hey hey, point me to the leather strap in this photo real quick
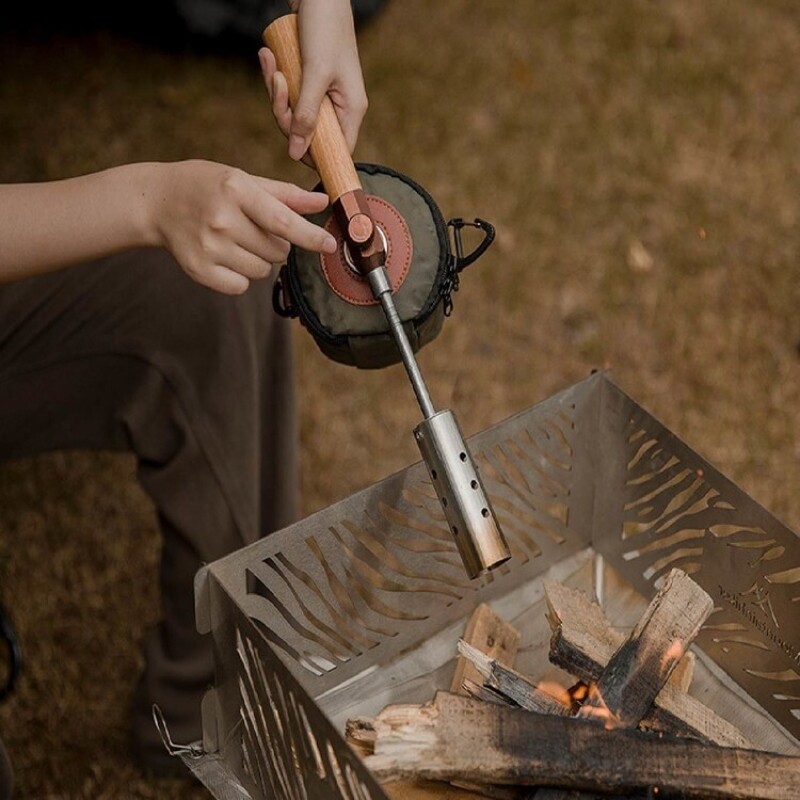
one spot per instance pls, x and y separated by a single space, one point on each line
348 284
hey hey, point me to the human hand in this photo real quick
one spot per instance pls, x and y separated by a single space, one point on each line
330 66
226 227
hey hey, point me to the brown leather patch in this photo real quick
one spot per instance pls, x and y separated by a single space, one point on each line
344 280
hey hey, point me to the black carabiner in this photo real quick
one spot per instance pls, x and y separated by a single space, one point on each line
9 637
458 261
457 225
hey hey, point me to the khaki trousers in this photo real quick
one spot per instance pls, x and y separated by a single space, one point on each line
128 353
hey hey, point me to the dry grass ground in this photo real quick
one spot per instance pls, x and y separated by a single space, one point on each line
641 162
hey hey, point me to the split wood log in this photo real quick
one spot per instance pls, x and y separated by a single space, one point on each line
461 738
359 733
681 678
593 639
643 663
639 669
634 675
481 692
568 794
491 634
512 685
505 686
583 643
427 790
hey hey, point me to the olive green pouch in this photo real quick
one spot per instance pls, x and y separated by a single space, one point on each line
358 333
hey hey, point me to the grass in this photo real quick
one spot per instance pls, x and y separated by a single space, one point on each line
588 132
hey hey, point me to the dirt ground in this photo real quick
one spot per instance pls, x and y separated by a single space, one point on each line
641 163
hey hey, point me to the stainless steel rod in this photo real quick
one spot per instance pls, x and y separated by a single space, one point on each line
454 475
382 290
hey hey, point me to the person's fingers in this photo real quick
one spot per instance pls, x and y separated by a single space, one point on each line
277 89
268 67
221 279
298 199
280 103
304 116
278 219
251 265
265 247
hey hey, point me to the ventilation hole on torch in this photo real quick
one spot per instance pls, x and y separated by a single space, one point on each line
433 474
485 512
455 530
444 502
462 455
474 484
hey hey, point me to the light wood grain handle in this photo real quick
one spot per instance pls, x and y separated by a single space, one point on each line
328 147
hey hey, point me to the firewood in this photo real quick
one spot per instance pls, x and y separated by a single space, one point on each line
458 738
361 736
593 640
639 669
359 733
512 685
681 678
504 685
427 790
490 634
635 672
568 794
583 643
485 693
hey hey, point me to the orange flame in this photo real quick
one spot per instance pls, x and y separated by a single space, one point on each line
582 700
557 692
673 655
595 708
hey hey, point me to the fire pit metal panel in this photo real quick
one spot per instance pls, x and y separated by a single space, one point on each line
660 505
315 608
329 599
378 573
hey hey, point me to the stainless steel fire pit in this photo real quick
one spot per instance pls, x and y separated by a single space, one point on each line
361 604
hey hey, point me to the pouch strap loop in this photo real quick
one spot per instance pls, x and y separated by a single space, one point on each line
281 299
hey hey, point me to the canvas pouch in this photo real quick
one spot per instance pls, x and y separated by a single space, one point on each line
356 332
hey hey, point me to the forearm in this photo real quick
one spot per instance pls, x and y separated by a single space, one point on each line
46 226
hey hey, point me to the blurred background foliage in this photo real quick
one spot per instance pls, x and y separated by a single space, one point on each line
640 161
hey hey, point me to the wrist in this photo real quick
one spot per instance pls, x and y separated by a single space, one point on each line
149 188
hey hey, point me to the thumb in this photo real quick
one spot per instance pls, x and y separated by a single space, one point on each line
305 113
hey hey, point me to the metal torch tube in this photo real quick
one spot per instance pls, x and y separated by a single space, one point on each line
382 290
454 474
464 500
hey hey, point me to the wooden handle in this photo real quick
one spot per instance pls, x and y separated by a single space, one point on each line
328 147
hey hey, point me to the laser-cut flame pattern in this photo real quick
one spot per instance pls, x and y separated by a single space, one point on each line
677 511
288 750
334 596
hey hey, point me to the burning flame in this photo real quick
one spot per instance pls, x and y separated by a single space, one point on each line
673 655
594 707
555 690
582 700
